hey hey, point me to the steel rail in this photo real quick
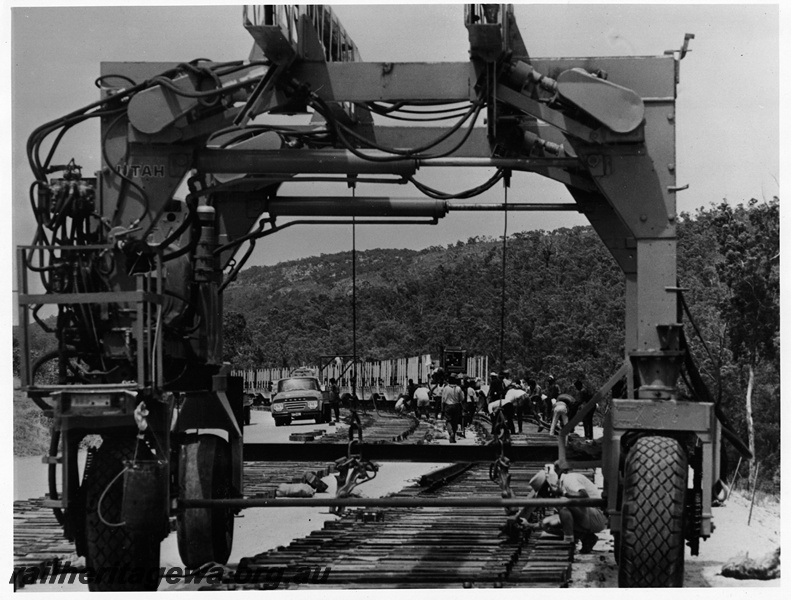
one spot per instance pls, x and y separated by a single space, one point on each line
393 502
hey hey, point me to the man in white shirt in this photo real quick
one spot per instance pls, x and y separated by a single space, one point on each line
422 401
452 400
517 397
575 522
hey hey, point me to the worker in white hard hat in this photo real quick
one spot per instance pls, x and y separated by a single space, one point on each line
542 483
573 523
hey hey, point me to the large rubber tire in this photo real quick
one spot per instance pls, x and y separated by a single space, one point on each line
205 534
130 555
652 537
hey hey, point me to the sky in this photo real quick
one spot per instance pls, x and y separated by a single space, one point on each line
728 97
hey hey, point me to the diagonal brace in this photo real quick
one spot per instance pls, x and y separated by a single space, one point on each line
589 406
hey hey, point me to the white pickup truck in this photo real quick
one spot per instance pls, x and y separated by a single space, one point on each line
300 396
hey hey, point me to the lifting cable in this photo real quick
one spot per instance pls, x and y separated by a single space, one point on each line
354 308
506 182
354 298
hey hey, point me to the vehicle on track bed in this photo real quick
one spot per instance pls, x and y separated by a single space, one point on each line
300 397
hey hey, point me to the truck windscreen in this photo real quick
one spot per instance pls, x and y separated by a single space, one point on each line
292 385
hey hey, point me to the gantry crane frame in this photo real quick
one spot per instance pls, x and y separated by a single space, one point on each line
603 127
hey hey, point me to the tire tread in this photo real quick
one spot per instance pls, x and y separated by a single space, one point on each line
116 547
652 537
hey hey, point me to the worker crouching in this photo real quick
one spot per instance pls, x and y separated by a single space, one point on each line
572 523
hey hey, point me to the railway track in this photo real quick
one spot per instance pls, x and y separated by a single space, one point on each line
421 547
385 548
38 537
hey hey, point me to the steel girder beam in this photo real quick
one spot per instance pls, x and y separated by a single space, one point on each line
397 452
455 81
389 82
394 502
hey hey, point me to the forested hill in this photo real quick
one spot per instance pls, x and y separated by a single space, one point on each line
564 306
331 274
411 302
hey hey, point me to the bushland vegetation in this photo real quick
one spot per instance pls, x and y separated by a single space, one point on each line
564 310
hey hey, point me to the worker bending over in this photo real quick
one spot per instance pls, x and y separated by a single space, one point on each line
573 523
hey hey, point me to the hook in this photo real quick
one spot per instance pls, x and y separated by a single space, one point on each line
349 448
141 414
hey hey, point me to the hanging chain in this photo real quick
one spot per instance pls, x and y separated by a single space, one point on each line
499 474
352 471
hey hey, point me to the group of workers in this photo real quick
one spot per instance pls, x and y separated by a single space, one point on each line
458 398
524 399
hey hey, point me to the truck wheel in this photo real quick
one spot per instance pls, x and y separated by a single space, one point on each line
652 535
320 419
279 422
126 560
205 534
